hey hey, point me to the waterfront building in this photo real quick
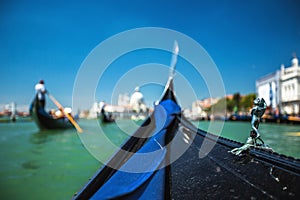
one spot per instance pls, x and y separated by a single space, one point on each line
281 89
268 87
93 111
123 100
290 88
198 107
205 103
197 111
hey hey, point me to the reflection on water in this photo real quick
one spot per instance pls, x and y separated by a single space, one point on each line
39 137
296 134
32 164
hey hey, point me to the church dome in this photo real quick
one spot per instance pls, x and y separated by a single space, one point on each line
295 62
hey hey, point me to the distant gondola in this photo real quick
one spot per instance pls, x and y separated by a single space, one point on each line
196 174
104 117
44 120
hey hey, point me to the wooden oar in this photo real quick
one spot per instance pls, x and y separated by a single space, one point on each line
65 113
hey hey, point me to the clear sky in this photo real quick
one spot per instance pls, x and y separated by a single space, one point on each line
50 39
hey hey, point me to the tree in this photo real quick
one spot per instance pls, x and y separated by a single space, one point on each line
240 102
247 101
230 104
220 106
237 100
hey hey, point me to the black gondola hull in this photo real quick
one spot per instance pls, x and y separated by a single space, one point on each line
44 121
219 174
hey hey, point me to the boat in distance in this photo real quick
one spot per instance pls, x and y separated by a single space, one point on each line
44 120
217 174
104 117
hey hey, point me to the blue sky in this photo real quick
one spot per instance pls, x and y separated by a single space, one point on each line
50 39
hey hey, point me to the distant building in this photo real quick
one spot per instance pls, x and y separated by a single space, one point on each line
281 89
198 107
197 110
93 111
268 87
123 100
83 114
290 88
206 103
122 110
137 101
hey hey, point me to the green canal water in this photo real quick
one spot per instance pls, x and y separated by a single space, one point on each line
55 164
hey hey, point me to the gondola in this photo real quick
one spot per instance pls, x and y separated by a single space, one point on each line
105 118
44 120
218 174
151 165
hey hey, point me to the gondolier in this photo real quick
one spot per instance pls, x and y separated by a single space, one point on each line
40 91
104 117
46 120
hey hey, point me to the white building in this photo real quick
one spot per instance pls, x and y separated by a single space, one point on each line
123 100
268 87
281 89
93 111
290 88
197 112
198 107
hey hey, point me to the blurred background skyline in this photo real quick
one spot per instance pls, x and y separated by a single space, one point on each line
50 39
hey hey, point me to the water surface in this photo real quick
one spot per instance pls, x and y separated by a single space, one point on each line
282 138
55 164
